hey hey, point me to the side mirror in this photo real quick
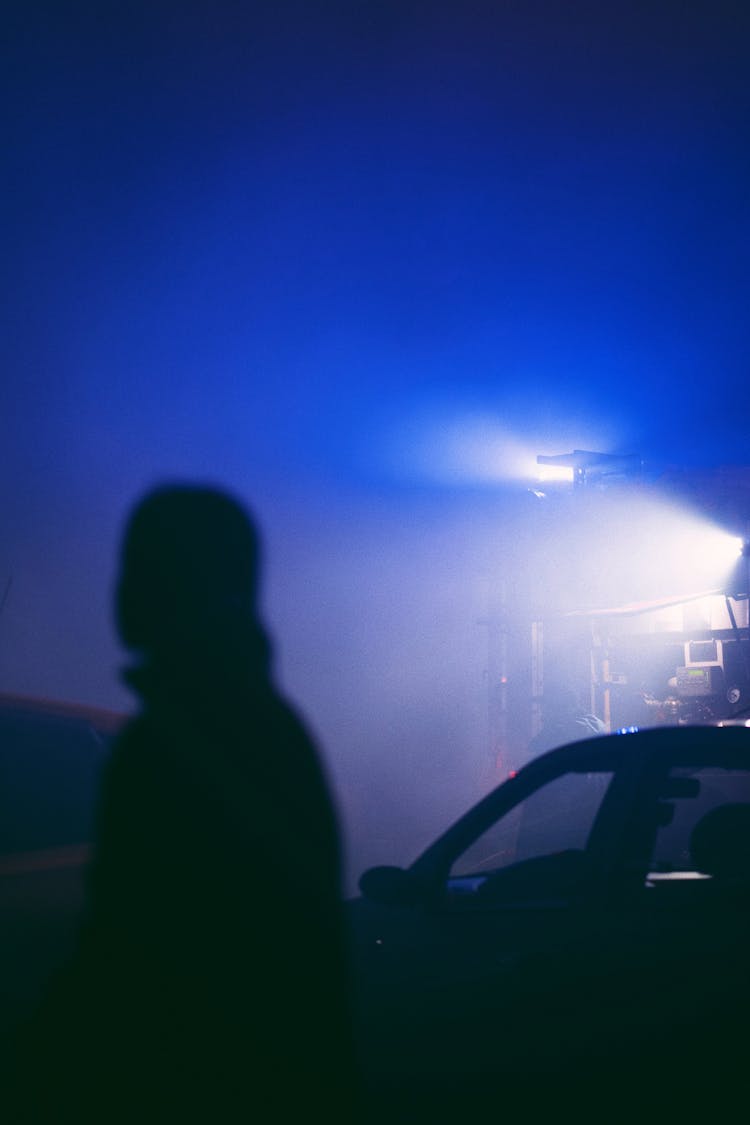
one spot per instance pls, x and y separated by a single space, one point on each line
390 886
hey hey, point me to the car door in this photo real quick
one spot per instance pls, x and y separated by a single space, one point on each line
471 978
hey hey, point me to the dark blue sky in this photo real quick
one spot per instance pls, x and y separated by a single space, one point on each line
356 260
276 229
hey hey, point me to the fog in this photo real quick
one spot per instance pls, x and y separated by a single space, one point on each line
375 614
378 605
361 264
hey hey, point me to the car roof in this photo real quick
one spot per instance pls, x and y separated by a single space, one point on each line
657 747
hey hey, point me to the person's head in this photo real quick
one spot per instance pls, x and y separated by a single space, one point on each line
720 842
189 570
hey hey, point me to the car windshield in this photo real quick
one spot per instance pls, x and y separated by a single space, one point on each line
555 818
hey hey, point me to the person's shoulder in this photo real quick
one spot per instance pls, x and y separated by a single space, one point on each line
286 721
135 753
291 738
134 739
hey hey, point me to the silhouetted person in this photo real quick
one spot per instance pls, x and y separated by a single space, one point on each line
210 982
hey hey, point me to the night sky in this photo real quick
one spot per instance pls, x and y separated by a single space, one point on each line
359 262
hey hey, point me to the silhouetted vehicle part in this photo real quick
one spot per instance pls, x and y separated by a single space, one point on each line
51 756
562 938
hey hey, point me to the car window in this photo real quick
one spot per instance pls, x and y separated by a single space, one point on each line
713 798
50 767
555 818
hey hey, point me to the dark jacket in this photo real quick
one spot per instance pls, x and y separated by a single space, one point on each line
211 978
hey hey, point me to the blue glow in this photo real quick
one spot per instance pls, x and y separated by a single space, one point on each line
362 263
446 439
302 224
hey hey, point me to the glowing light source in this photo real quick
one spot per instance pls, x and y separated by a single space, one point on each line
693 553
585 466
550 473
452 443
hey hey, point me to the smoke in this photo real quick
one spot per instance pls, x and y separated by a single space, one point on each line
378 605
380 610
378 614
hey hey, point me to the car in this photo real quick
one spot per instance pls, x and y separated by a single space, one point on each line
51 757
577 938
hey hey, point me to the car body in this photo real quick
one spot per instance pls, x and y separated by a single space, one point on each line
561 937
51 756
557 923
